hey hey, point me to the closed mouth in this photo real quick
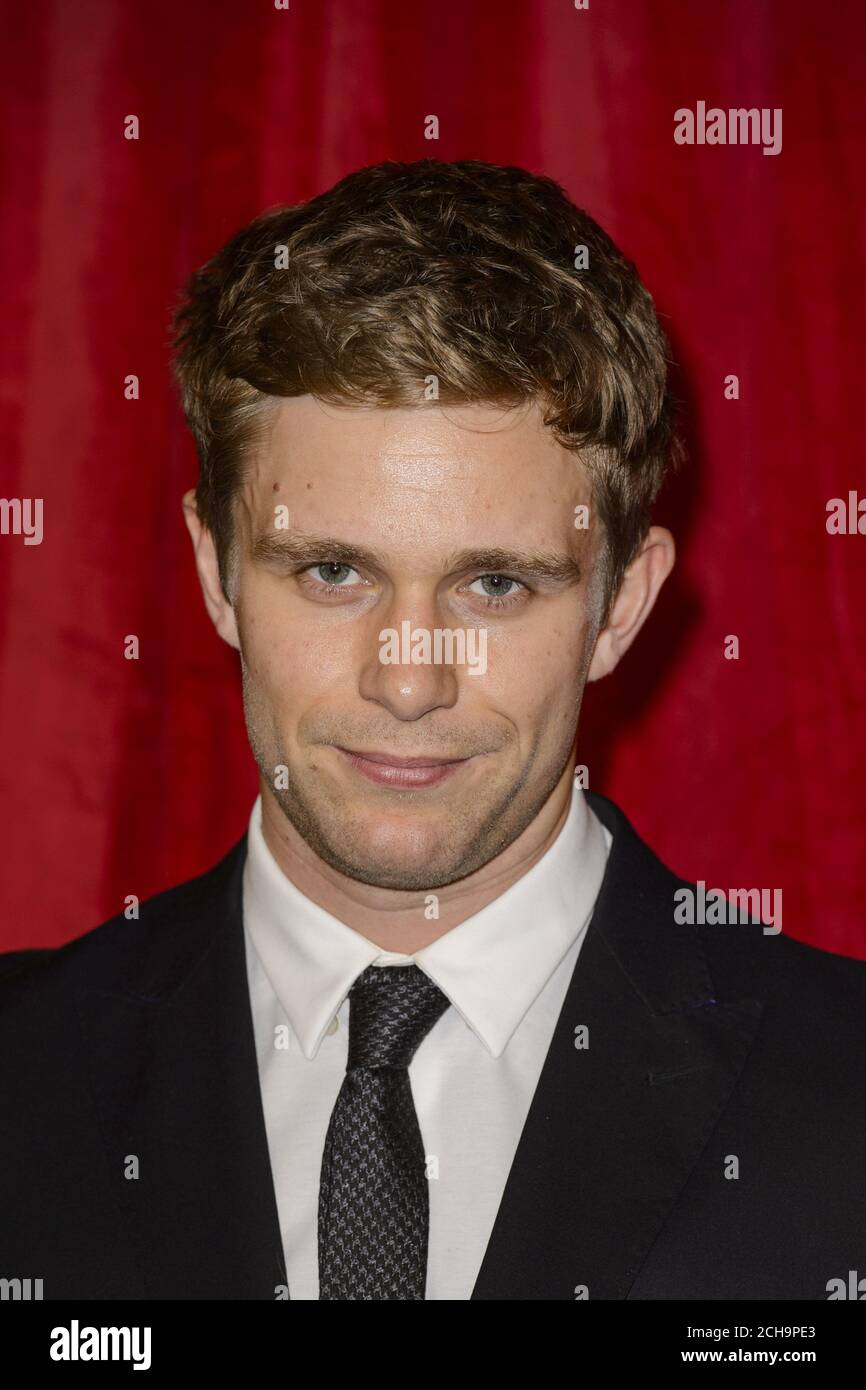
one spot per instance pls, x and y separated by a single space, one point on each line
389 761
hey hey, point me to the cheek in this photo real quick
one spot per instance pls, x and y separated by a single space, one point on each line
537 683
546 664
294 665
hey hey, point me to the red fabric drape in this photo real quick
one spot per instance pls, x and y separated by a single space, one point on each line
124 777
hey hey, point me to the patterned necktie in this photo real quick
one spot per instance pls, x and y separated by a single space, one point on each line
373 1196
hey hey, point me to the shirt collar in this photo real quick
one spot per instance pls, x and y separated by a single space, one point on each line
492 966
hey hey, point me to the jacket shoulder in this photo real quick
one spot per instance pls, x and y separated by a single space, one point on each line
743 955
139 955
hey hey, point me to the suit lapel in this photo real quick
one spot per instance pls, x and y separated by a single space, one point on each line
174 1072
614 1130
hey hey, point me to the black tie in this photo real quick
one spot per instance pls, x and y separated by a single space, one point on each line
373 1197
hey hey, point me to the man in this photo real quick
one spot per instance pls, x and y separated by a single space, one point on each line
436 1027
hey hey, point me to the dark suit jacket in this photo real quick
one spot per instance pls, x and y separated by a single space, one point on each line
706 1043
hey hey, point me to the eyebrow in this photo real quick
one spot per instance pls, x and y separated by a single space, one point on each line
301 550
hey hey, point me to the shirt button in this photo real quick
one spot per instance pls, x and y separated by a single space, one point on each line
333 1025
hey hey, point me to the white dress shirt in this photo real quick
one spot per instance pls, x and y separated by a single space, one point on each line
505 970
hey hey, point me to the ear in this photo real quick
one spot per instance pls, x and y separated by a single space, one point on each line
220 610
634 601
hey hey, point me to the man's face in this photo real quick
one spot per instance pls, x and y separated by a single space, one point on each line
413 488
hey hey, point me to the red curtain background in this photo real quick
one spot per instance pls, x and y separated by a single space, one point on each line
125 776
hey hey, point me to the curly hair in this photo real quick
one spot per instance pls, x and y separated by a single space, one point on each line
463 272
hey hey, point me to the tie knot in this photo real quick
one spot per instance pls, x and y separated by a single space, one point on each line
391 1010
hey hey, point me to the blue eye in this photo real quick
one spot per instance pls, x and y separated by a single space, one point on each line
331 579
327 576
501 595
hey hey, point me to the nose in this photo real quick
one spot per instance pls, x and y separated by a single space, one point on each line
406 668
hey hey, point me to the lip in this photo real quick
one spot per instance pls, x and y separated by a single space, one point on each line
401 772
390 761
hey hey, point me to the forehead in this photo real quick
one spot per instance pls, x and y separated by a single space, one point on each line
407 473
